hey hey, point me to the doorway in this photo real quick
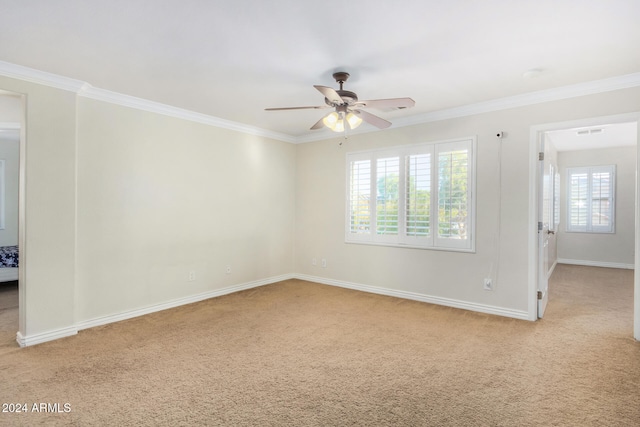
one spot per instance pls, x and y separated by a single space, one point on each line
12 140
570 137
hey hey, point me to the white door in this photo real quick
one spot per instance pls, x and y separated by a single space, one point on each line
544 219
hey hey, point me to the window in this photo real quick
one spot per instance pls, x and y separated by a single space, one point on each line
415 196
590 199
556 199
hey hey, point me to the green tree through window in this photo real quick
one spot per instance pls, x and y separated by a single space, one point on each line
387 196
418 195
452 193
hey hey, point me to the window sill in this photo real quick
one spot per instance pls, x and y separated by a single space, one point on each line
408 246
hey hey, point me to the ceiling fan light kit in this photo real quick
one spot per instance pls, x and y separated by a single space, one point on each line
348 113
353 120
337 122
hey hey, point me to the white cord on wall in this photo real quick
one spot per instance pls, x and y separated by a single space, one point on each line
495 264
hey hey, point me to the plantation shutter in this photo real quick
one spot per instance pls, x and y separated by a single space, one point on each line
418 196
454 194
387 198
601 200
359 197
578 199
590 199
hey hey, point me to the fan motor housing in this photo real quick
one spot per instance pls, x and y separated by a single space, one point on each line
347 96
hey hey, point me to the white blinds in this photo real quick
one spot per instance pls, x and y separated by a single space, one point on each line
360 197
453 193
422 196
387 200
601 199
590 199
418 196
579 200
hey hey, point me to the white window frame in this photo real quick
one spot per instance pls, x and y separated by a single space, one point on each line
589 227
433 240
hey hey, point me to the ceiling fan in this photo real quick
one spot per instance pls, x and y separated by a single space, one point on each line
348 113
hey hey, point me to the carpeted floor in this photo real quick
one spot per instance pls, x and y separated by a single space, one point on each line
302 354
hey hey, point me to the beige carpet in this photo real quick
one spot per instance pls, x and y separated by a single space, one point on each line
302 354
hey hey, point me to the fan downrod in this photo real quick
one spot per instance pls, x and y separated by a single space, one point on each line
340 77
346 95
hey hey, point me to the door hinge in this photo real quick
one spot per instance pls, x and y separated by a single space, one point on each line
539 294
541 156
539 225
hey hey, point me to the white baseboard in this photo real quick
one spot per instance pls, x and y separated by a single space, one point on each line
39 338
25 341
103 320
448 302
596 263
553 267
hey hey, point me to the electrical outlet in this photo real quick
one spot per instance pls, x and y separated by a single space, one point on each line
488 284
192 275
324 263
228 269
314 261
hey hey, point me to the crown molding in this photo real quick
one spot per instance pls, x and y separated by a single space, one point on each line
84 89
20 72
91 92
530 98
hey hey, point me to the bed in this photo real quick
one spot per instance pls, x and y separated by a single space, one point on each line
8 263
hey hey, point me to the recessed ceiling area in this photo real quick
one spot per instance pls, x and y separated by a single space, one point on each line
231 59
594 137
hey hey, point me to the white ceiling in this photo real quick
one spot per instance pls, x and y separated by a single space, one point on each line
592 137
232 58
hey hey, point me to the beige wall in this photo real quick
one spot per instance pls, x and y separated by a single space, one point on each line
47 243
616 249
10 107
121 204
159 197
457 277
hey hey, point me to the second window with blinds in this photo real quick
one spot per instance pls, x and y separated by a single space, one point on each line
591 199
413 196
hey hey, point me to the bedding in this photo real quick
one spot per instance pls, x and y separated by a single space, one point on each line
8 256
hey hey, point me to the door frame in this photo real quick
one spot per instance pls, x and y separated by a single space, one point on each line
543 229
22 315
537 132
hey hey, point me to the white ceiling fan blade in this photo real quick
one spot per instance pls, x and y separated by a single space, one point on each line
319 124
387 104
330 94
316 107
378 122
